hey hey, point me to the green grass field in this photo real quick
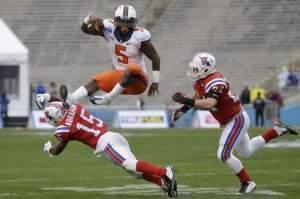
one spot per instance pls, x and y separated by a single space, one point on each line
27 172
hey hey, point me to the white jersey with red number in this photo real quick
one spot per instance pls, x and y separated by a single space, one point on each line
216 86
80 125
124 53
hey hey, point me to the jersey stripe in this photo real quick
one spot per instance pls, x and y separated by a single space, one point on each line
213 83
62 129
125 11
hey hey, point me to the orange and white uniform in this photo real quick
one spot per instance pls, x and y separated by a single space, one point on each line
124 55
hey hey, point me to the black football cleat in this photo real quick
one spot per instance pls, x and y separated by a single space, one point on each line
63 92
169 182
285 128
247 187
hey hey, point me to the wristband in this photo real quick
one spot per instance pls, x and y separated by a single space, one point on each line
190 102
155 77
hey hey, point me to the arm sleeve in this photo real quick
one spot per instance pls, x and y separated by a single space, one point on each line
216 91
62 133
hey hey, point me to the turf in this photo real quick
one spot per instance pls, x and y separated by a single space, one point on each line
27 172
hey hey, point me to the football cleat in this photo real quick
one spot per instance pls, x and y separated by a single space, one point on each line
247 187
100 100
169 182
283 128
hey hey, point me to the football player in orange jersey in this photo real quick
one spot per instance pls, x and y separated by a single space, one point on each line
74 123
213 93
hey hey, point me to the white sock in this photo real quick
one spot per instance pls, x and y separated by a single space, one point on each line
115 91
78 94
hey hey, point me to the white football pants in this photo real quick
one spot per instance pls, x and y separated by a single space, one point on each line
116 148
235 138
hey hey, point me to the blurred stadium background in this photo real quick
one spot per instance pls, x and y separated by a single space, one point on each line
256 43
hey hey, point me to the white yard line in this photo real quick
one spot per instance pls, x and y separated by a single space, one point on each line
284 144
148 189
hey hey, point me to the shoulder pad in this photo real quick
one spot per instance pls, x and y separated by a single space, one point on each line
142 34
108 25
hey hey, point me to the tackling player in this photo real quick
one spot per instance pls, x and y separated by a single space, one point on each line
74 123
212 92
127 45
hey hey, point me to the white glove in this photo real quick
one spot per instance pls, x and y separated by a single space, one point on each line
47 147
42 99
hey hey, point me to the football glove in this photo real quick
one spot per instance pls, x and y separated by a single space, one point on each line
179 97
47 147
41 100
183 99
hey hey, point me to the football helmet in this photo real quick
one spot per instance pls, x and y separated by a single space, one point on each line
55 112
202 65
125 17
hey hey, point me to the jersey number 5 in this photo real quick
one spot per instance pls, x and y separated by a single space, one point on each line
121 57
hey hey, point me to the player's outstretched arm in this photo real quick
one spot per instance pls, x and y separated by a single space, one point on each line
205 104
149 50
92 25
55 149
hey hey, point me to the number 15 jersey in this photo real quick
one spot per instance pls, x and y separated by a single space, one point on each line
127 52
80 125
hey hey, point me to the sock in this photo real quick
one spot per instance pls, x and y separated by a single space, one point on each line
149 169
115 91
153 178
243 176
269 134
78 94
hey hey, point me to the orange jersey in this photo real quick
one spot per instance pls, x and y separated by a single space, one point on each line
80 125
216 86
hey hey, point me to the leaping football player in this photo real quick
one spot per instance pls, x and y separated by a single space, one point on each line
212 92
74 123
127 45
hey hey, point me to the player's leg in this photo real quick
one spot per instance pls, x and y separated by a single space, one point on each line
90 88
248 147
104 81
230 137
132 82
116 148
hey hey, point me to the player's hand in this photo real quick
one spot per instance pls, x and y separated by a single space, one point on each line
47 147
177 114
179 97
153 89
41 100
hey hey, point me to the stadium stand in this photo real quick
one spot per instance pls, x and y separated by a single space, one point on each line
250 39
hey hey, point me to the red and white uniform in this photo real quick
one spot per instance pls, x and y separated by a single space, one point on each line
80 125
229 112
124 53
216 86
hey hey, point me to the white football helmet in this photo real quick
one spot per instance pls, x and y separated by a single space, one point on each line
55 112
202 65
125 15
